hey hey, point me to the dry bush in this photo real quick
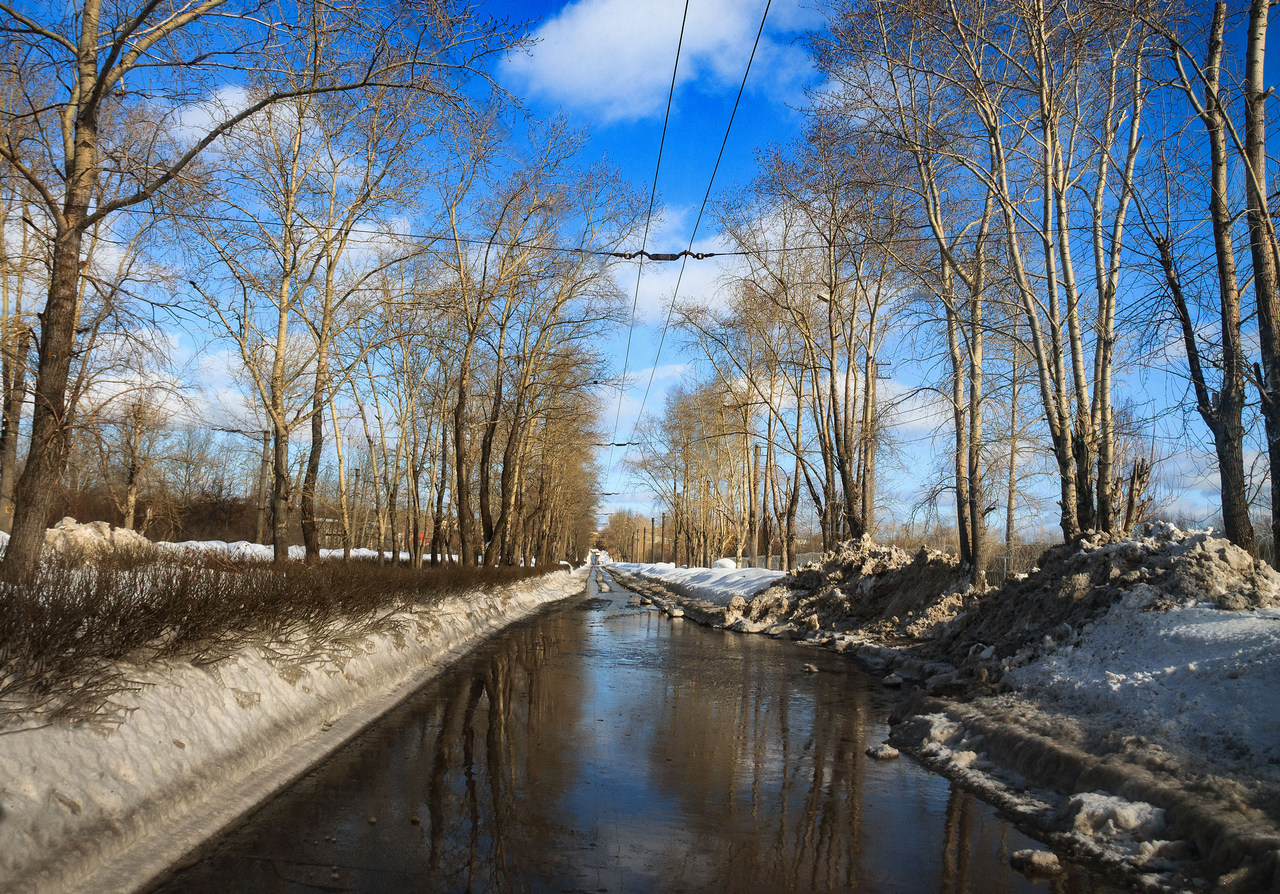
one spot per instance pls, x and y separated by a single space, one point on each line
69 640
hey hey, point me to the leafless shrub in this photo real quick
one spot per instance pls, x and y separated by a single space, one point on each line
71 638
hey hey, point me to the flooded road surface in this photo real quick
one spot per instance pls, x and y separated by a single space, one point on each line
601 747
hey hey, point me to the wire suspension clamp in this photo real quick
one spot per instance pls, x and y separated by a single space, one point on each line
661 256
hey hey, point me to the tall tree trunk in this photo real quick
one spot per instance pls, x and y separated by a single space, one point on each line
15 381
50 423
439 542
307 497
462 471
50 436
973 459
1263 244
1011 485
1222 414
960 458
280 496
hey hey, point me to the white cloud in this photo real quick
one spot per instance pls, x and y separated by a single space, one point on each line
614 57
192 122
700 281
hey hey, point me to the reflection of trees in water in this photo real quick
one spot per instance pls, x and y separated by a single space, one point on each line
495 740
776 759
963 835
624 751
955 843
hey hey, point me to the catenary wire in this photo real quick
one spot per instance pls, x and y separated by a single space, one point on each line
925 237
697 222
644 242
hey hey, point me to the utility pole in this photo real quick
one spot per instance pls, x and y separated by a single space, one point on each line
664 537
652 522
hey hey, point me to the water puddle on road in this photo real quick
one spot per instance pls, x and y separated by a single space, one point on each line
601 747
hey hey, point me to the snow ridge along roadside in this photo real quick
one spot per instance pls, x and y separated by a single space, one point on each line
99 807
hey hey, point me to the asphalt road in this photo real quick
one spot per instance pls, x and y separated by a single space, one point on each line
604 747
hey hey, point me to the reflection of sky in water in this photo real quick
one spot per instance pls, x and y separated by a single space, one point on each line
607 748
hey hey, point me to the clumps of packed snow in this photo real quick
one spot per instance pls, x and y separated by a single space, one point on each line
99 806
724 563
90 539
1035 863
1126 834
1101 814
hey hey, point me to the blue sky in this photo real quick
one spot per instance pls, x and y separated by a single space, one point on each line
607 65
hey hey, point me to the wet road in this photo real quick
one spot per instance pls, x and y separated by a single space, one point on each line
601 747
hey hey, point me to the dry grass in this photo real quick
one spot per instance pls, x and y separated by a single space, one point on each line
69 641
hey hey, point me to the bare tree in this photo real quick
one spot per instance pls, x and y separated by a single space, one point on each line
99 57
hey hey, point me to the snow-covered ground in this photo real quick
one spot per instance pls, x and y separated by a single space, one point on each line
715 585
1202 682
102 807
247 550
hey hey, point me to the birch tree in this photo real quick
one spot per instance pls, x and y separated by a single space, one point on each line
96 58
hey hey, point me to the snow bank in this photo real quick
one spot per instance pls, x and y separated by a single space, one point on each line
105 807
247 550
1199 680
715 585
1139 682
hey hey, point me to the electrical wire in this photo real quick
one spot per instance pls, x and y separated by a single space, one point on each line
666 325
925 237
644 242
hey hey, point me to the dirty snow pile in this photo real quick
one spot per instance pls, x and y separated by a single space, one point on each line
104 806
879 591
69 537
883 591
1159 568
1145 668
1188 656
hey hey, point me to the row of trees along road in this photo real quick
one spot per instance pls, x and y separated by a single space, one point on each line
1035 197
1027 200
265 174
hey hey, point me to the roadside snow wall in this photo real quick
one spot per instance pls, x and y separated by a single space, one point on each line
98 807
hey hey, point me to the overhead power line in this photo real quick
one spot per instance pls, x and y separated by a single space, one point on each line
687 253
925 237
644 241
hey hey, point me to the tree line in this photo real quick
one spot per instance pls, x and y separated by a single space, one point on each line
1035 207
404 272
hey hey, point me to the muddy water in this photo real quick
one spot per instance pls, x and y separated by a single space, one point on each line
603 747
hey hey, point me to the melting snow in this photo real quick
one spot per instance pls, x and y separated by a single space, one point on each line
100 807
